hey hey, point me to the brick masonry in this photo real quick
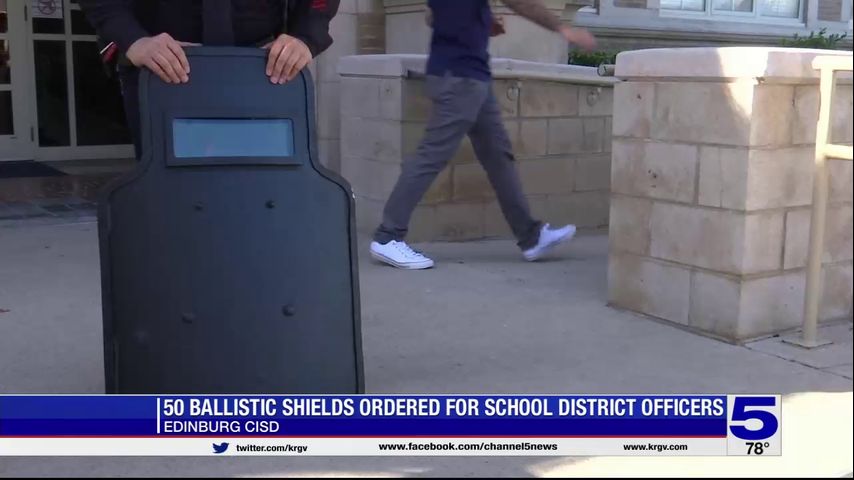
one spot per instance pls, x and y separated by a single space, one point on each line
710 204
561 133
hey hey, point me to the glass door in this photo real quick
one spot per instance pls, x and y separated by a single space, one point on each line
16 141
78 108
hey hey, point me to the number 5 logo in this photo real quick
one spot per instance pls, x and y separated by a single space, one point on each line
742 412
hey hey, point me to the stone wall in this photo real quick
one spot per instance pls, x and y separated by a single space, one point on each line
558 118
712 186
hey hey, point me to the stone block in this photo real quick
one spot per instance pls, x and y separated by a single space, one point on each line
771 304
423 226
471 183
441 190
839 173
716 113
459 221
494 224
370 179
609 128
628 227
594 135
412 133
592 172
654 288
548 99
416 105
465 154
763 242
329 154
837 236
772 115
595 101
360 97
715 303
655 170
719 240
369 214
547 175
634 106
391 98
507 93
566 135
756 179
806 114
723 176
584 209
378 140
837 288
328 111
530 137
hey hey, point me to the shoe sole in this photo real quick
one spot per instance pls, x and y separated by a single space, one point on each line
404 266
548 248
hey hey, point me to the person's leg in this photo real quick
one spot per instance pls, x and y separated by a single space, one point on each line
129 78
495 152
456 103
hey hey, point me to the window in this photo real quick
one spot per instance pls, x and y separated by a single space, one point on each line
767 9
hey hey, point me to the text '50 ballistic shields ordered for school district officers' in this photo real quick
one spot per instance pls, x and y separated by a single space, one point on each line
228 256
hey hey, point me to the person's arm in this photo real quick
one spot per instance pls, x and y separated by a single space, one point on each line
306 36
114 21
535 11
309 20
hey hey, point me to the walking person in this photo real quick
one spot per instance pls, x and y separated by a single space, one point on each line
459 83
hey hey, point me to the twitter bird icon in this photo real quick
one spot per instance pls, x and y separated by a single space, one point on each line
221 448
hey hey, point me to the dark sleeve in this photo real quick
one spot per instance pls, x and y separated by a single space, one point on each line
114 21
309 20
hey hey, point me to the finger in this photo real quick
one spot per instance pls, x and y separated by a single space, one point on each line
154 67
302 61
291 57
181 56
175 62
283 63
275 51
167 68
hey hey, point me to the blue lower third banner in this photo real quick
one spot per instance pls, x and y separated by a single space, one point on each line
373 425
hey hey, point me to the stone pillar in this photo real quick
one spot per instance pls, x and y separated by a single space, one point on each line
407 32
357 29
558 118
712 185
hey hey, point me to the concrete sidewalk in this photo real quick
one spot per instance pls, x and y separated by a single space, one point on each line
483 321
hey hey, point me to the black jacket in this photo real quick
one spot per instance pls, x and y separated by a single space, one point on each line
255 21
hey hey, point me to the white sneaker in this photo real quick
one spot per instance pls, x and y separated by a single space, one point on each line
548 239
400 255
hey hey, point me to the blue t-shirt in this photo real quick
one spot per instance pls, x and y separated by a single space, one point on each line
460 41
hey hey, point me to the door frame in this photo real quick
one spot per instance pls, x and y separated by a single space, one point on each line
73 151
20 145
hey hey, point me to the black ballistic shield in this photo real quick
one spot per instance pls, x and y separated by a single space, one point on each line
228 256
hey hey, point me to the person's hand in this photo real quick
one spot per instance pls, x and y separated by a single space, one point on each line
578 37
497 27
163 55
288 56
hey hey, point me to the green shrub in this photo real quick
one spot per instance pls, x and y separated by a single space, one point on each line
820 40
592 59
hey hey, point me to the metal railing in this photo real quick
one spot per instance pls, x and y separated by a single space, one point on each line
827 66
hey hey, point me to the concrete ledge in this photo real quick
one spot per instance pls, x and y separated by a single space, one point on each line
773 64
405 65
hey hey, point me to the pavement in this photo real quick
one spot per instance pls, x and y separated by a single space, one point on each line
482 321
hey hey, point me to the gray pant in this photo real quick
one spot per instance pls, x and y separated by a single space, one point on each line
460 106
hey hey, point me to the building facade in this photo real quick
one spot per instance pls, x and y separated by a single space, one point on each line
56 103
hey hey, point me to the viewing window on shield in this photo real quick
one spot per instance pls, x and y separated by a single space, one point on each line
232 137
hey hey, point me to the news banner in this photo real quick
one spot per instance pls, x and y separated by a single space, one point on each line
389 425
